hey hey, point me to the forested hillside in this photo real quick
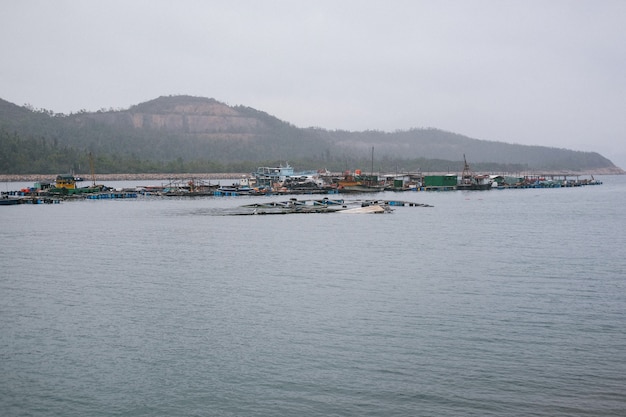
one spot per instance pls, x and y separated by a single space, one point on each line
194 134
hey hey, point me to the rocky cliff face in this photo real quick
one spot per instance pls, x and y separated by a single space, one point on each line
195 123
181 114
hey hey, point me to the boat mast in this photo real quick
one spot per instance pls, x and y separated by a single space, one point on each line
372 170
91 168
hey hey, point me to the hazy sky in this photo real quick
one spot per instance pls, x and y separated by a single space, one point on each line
544 72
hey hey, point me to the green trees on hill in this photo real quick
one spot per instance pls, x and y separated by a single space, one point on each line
26 154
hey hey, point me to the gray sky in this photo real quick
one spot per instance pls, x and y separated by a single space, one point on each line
536 72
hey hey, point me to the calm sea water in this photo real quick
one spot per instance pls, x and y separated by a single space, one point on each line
498 303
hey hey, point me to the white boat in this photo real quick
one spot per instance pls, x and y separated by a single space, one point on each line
373 209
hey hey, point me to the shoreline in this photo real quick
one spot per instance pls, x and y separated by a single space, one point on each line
124 177
234 175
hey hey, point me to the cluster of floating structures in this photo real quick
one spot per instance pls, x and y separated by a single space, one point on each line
283 180
64 188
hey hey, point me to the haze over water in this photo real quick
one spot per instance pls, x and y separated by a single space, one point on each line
503 303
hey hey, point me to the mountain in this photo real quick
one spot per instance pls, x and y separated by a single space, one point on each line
196 134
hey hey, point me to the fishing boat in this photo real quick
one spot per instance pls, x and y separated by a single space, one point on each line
193 188
471 181
359 183
267 176
65 184
360 188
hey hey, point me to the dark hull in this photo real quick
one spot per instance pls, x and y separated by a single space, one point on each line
360 189
472 187
9 201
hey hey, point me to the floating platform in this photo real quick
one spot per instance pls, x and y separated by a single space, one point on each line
110 195
12 201
325 205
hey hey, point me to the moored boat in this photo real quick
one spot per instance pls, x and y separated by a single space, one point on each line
471 181
65 185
